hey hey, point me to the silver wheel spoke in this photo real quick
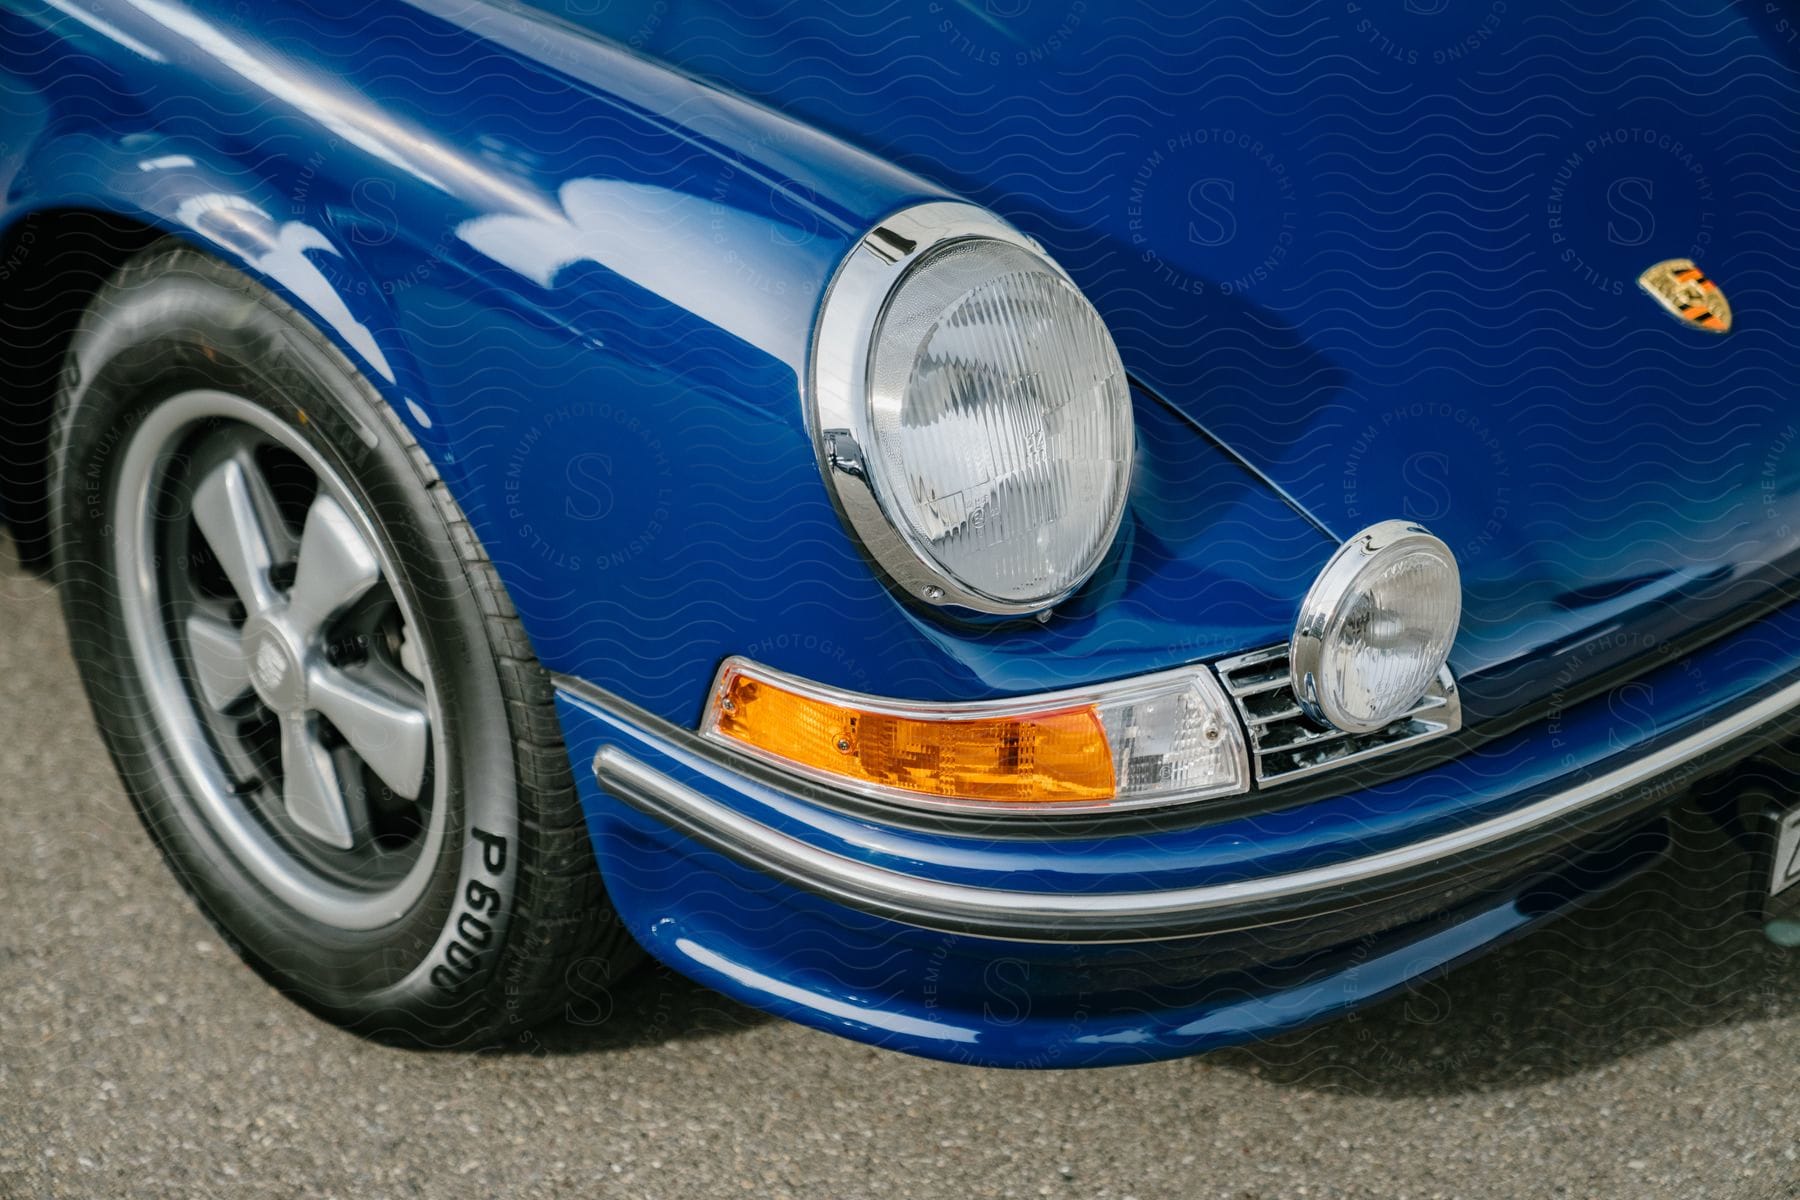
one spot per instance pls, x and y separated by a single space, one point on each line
220 667
225 508
337 567
227 627
311 791
385 725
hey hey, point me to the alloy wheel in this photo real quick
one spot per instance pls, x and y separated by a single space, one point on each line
280 658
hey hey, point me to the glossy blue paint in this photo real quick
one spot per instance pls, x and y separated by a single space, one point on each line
1360 267
1002 1004
988 1003
1029 1005
596 321
938 994
1570 746
589 281
1386 252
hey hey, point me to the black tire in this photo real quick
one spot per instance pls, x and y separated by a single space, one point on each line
511 899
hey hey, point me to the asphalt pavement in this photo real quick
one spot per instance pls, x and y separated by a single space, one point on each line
1648 1046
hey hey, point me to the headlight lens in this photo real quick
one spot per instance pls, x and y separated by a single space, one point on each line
1376 627
973 413
1002 422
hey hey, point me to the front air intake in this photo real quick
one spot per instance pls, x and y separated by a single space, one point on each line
1286 744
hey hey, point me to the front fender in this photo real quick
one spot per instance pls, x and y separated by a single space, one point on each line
188 190
588 284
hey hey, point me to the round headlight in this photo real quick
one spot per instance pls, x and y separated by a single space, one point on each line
1376 627
972 413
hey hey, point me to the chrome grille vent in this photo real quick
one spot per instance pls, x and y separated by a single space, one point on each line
1286 744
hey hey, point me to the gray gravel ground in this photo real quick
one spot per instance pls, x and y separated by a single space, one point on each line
1648 1047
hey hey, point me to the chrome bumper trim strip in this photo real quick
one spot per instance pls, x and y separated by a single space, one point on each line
1126 916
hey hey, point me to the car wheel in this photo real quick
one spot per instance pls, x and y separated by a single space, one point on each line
308 674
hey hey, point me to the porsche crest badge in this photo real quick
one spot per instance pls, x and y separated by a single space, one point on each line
1679 286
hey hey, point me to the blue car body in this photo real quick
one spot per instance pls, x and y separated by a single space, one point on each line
1362 261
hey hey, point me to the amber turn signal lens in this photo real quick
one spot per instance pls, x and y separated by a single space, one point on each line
1054 756
1165 738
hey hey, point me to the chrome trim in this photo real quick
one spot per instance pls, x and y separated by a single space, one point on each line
837 402
1279 728
1326 597
1171 683
1077 915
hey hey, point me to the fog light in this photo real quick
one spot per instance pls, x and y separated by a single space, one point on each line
1376 627
1155 740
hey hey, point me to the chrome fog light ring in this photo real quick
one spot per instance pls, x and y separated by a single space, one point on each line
1392 590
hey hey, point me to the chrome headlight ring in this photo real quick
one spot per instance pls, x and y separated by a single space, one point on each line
972 505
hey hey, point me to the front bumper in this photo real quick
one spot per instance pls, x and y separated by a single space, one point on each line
1111 946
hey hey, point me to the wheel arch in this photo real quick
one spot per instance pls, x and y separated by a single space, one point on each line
52 261
54 257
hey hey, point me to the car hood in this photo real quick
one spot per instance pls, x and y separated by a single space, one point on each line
1387 254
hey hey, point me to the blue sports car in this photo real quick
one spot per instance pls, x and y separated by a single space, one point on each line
1030 532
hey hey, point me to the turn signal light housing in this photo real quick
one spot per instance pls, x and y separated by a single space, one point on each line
1152 740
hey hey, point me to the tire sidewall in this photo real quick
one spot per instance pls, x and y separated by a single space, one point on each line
188 323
